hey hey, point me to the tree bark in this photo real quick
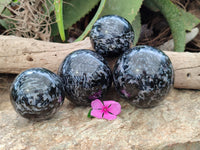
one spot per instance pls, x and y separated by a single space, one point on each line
18 54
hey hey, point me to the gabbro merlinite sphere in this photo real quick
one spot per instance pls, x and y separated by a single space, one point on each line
37 94
143 75
86 76
111 35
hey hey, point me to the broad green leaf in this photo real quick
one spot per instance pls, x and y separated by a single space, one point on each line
176 22
6 22
58 4
190 21
137 28
124 8
3 3
73 11
3 23
89 26
127 9
178 19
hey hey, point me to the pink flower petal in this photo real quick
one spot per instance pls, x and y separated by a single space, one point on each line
96 104
107 103
109 116
115 107
97 113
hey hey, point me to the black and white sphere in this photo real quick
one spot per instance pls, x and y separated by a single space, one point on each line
37 94
111 35
143 75
86 76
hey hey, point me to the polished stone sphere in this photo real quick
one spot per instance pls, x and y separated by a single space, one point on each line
86 76
37 94
111 35
143 76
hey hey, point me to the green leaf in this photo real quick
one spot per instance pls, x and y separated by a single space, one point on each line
58 4
178 19
89 114
190 21
73 11
176 22
124 8
127 9
4 24
94 19
137 28
3 3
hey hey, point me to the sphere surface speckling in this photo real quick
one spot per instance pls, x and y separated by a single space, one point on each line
86 76
111 35
37 94
143 75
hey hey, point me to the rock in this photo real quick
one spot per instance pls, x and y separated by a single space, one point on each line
175 123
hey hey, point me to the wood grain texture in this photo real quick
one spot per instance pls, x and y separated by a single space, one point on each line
18 54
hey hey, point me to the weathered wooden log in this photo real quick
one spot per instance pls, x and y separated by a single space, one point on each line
18 54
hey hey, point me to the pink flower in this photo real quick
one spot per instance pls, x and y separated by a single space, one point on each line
107 110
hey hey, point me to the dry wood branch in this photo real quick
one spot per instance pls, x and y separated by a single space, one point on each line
18 54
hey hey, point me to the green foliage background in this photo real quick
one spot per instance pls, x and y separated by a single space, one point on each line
68 12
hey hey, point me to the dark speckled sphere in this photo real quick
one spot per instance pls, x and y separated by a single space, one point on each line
111 35
86 76
37 94
143 75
